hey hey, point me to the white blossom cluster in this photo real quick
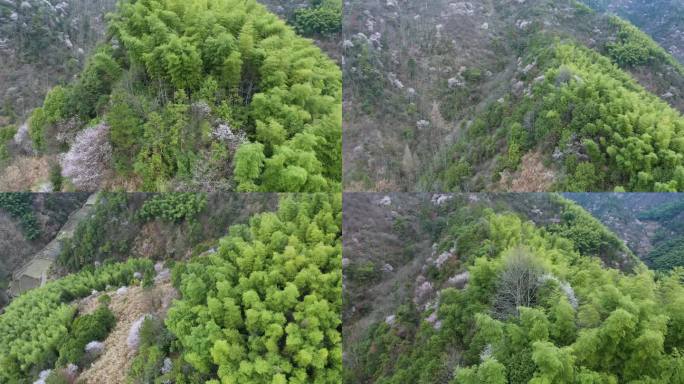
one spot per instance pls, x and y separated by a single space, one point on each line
88 158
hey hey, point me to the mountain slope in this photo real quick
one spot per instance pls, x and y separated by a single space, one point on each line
510 292
218 95
446 96
649 223
662 19
43 43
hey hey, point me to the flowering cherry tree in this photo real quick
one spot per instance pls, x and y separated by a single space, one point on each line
89 157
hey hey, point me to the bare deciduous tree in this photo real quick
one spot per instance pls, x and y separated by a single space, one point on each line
518 283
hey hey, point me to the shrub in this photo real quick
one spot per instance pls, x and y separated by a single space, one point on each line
324 19
20 207
105 300
6 136
155 341
86 328
173 207
57 377
91 91
126 128
518 283
56 177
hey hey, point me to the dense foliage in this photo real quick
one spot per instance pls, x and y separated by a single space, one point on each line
20 207
34 325
590 237
323 17
83 99
667 254
633 47
92 240
265 308
602 129
6 135
565 318
664 211
196 92
91 327
173 207
151 364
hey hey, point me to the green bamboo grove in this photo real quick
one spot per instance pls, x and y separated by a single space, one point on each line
35 325
203 90
265 308
582 321
601 130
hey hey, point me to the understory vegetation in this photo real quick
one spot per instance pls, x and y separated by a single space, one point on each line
200 95
538 306
20 207
93 238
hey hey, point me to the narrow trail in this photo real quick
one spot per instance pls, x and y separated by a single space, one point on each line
34 273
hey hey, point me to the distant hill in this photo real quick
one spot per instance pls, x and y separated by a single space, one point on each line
662 19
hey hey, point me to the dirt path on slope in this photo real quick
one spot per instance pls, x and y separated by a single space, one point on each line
113 365
34 273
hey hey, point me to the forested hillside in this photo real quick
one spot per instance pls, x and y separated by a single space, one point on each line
42 43
218 95
251 296
651 224
514 289
71 234
662 19
505 95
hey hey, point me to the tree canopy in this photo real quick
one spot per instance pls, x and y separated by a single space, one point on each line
539 307
265 308
34 326
221 84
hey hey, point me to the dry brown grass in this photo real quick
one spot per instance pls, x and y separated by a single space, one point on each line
112 366
24 174
130 183
533 176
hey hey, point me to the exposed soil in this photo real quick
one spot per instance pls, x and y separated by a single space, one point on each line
112 366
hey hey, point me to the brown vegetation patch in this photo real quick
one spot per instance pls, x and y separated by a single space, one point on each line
113 365
24 174
533 176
